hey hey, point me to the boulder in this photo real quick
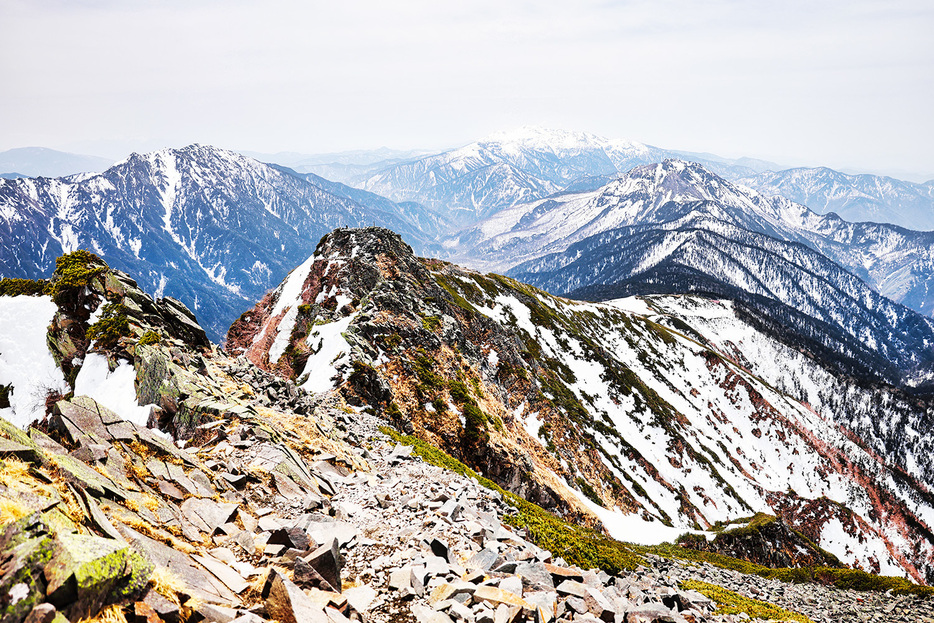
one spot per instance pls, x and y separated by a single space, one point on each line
285 602
89 572
326 560
25 549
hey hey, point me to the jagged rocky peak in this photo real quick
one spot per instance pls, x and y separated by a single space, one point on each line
603 411
105 306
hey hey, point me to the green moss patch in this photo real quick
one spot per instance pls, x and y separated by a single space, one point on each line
729 602
851 579
112 325
75 270
150 337
23 287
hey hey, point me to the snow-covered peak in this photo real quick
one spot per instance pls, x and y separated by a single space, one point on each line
536 137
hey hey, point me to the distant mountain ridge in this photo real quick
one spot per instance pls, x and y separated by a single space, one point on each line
854 198
898 263
207 226
41 161
509 168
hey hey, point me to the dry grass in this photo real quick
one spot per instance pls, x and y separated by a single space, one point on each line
254 594
14 472
306 437
110 614
146 500
139 470
12 510
167 584
144 528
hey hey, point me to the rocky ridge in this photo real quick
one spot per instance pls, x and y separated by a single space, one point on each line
599 412
270 503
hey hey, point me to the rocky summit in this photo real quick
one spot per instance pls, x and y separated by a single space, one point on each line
377 444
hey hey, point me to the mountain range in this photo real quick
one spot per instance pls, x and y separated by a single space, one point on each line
171 480
508 168
670 350
207 226
854 198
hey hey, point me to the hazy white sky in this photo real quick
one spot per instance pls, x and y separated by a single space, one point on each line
844 83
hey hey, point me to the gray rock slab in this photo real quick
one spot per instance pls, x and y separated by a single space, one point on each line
198 581
225 573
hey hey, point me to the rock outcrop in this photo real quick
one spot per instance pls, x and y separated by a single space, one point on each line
596 411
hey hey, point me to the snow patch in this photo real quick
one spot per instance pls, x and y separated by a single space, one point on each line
25 360
115 390
330 350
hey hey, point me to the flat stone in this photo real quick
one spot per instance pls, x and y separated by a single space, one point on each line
401 579
237 481
223 572
560 573
286 486
507 614
496 595
213 514
20 451
325 531
80 420
169 490
360 597
599 605
178 476
87 571
165 609
513 584
449 590
98 518
212 613
307 576
198 582
42 613
535 575
292 536
652 613
483 560
572 589
427 615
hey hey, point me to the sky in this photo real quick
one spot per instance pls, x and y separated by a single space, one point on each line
847 84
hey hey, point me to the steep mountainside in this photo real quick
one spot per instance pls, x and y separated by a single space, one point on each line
853 197
866 334
898 263
207 226
509 168
599 409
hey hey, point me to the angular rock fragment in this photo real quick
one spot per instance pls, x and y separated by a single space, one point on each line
286 602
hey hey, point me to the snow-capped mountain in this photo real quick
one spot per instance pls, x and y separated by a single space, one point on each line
853 197
896 262
676 226
662 413
811 299
210 227
509 168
